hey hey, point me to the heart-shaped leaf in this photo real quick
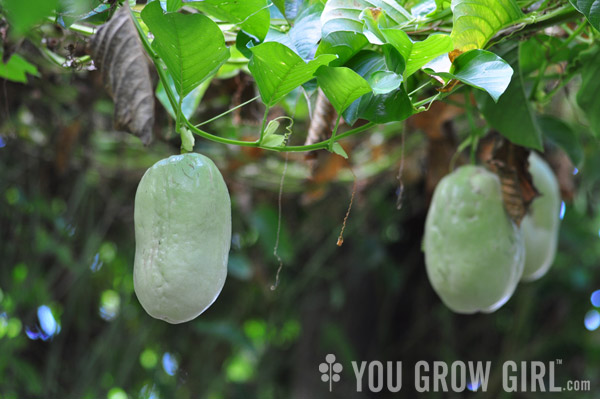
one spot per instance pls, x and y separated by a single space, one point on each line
342 86
476 21
591 10
512 115
383 82
191 45
382 108
417 54
304 36
483 70
278 70
342 27
253 16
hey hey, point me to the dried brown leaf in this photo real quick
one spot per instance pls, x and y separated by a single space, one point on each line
510 163
119 54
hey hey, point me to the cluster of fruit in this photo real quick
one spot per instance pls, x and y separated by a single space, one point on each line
475 254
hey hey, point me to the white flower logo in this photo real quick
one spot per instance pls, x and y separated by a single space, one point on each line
330 371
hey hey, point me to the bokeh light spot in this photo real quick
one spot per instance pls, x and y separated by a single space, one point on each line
148 392
110 304
14 327
48 323
563 210
3 324
96 264
240 368
116 393
256 330
169 363
592 320
148 359
595 298
108 252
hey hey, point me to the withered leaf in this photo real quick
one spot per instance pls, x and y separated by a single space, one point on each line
510 163
119 54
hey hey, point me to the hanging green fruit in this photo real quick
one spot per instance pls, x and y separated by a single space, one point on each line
183 235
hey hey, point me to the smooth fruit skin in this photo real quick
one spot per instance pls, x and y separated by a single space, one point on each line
540 225
474 253
183 234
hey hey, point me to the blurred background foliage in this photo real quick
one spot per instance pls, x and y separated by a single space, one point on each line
71 326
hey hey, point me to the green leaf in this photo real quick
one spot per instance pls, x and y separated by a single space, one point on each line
483 70
476 21
512 115
417 54
191 45
394 61
373 18
278 70
174 5
383 82
23 14
591 10
341 86
342 27
190 102
270 137
424 8
587 97
563 135
253 16
338 149
280 4
343 44
16 69
383 108
304 36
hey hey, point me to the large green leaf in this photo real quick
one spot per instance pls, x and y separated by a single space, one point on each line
342 27
383 108
304 36
174 5
253 16
191 45
417 54
588 97
591 10
278 70
483 70
16 69
476 21
512 115
342 86
22 15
